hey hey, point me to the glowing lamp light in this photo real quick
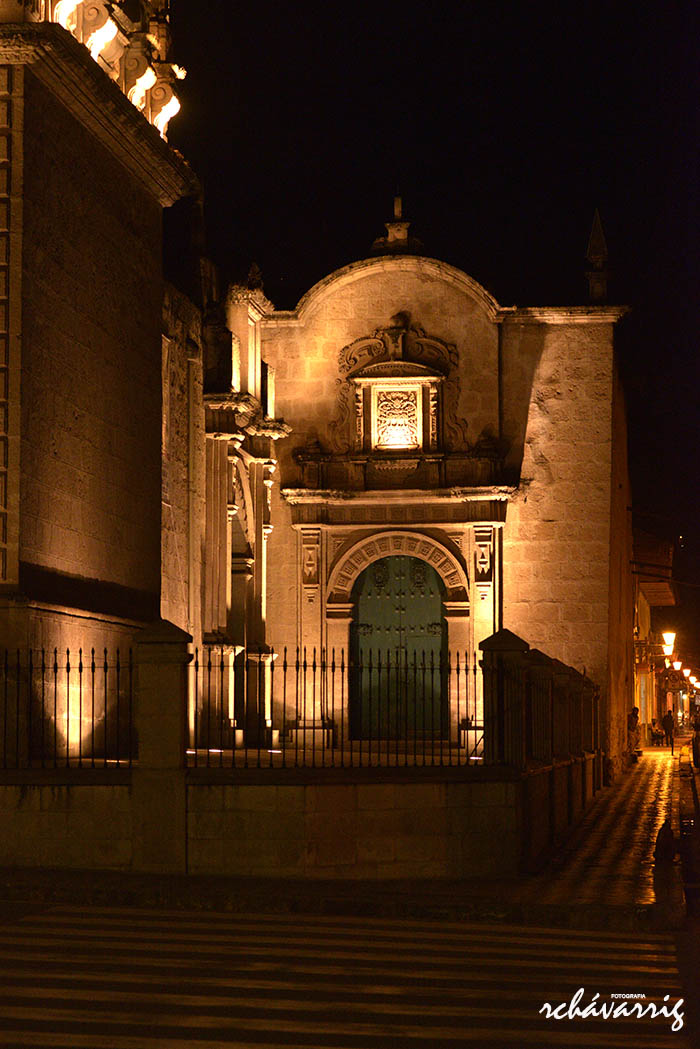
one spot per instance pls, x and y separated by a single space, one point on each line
137 94
169 110
677 665
693 680
101 37
668 650
64 13
398 435
667 662
669 637
686 671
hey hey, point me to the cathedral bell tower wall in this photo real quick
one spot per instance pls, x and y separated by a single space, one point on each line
565 520
85 179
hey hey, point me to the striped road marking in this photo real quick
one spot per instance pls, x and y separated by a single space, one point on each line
145 979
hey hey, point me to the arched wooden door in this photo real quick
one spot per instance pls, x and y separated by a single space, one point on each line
398 652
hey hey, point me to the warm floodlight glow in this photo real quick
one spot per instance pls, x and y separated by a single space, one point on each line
101 37
169 110
64 13
137 94
668 650
677 665
669 637
396 417
686 671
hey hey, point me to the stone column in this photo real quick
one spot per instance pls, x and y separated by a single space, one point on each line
503 667
158 780
464 707
338 622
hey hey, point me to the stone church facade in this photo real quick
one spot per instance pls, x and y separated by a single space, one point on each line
398 464
432 425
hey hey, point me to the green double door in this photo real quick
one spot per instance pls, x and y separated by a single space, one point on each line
398 652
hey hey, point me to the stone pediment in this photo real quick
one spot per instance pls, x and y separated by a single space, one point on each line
396 369
400 347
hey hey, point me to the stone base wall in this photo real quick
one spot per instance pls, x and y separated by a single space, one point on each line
416 830
66 825
313 830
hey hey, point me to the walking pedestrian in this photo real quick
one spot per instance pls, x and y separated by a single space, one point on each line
667 723
633 733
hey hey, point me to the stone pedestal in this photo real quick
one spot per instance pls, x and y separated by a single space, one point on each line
158 780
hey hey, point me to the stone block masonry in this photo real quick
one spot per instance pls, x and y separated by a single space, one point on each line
354 830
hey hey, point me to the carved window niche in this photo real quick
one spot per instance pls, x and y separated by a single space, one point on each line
397 415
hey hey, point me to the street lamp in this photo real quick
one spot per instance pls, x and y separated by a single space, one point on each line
669 637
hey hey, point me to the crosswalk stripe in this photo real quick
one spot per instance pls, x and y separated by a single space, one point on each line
135 980
85 928
222 919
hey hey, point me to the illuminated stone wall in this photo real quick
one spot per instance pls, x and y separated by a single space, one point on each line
182 496
91 367
567 582
557 543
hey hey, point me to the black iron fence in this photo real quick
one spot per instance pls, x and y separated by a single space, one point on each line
305 708
63 708
301 707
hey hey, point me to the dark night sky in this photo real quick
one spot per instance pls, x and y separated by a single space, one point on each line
504 126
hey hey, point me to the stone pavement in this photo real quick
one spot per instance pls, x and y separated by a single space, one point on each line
102 959
78 977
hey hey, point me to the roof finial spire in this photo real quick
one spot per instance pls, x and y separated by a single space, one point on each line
597 256
397 238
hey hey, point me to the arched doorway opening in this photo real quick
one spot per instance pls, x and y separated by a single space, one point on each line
398 652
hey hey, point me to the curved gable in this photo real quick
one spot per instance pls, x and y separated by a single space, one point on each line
433 269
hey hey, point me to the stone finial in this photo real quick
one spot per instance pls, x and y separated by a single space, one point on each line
597 256
397 239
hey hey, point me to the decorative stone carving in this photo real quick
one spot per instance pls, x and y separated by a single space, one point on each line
433 416
310 562
385 544
400 351
359 416
396 423
483 560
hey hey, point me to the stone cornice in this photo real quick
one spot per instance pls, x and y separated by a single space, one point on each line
254 298
498 493
564 314
68 70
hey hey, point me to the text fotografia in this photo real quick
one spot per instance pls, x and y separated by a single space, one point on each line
615 1009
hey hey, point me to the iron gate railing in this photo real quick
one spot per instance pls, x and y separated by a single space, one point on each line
300 707
66 709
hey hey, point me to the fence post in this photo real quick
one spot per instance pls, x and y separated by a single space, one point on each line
158 780
504 698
